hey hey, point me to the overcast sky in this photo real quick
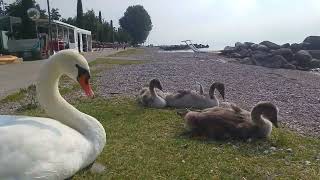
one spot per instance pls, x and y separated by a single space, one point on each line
216 22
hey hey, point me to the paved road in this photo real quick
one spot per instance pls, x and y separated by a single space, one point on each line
16 76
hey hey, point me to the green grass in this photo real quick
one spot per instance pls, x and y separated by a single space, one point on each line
144 143
128 52
147 143
14 97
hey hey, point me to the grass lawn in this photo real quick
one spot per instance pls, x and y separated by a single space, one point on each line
147 143
144 143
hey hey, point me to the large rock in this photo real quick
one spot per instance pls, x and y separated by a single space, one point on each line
289 66
303 68
262 47
270 45
277 61
295 47
315 63
315 53
261 54
228 50
245 53
313 43
303 58
254 46
248 44
285 52
286 45
240 46
235 55
258 57
305 46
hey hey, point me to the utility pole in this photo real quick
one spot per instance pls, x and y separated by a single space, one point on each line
49 29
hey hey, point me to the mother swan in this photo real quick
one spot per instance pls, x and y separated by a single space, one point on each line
43 148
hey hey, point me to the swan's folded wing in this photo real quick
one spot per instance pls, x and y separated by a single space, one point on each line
222 117
182 93
221 122
21 157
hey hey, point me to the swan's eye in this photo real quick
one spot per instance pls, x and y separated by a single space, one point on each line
82 72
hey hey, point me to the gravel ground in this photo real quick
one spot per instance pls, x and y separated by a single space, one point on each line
296 93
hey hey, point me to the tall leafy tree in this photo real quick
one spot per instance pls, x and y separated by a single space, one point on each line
70 20
122 36
137 22
79 14
101 30
19 9
55 15
111 31
90 22
100 17
43 12
105 32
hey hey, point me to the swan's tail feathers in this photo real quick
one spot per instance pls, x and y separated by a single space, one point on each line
182 93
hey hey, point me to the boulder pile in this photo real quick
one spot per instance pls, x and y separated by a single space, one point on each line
301 56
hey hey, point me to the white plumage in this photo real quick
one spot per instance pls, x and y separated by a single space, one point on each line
44 148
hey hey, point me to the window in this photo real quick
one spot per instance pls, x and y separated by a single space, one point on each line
71 36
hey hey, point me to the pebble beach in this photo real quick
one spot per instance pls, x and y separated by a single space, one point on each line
296 93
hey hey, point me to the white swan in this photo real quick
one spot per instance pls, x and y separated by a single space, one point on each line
43 148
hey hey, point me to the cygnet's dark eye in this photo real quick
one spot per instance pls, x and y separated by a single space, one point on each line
82 72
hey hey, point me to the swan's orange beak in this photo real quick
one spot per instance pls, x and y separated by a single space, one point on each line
85 85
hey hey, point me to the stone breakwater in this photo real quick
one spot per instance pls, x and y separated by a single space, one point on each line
300 56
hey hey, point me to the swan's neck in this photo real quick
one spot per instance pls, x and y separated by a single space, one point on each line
257 119
59 109
265 126
214 100
152 91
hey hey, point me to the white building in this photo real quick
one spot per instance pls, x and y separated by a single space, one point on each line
64 36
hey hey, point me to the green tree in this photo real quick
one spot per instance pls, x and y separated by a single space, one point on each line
19 8
122 36
105 31
90 22
101 30
137 23
70 20
100 17
79 20
43 13
55 15
111 32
